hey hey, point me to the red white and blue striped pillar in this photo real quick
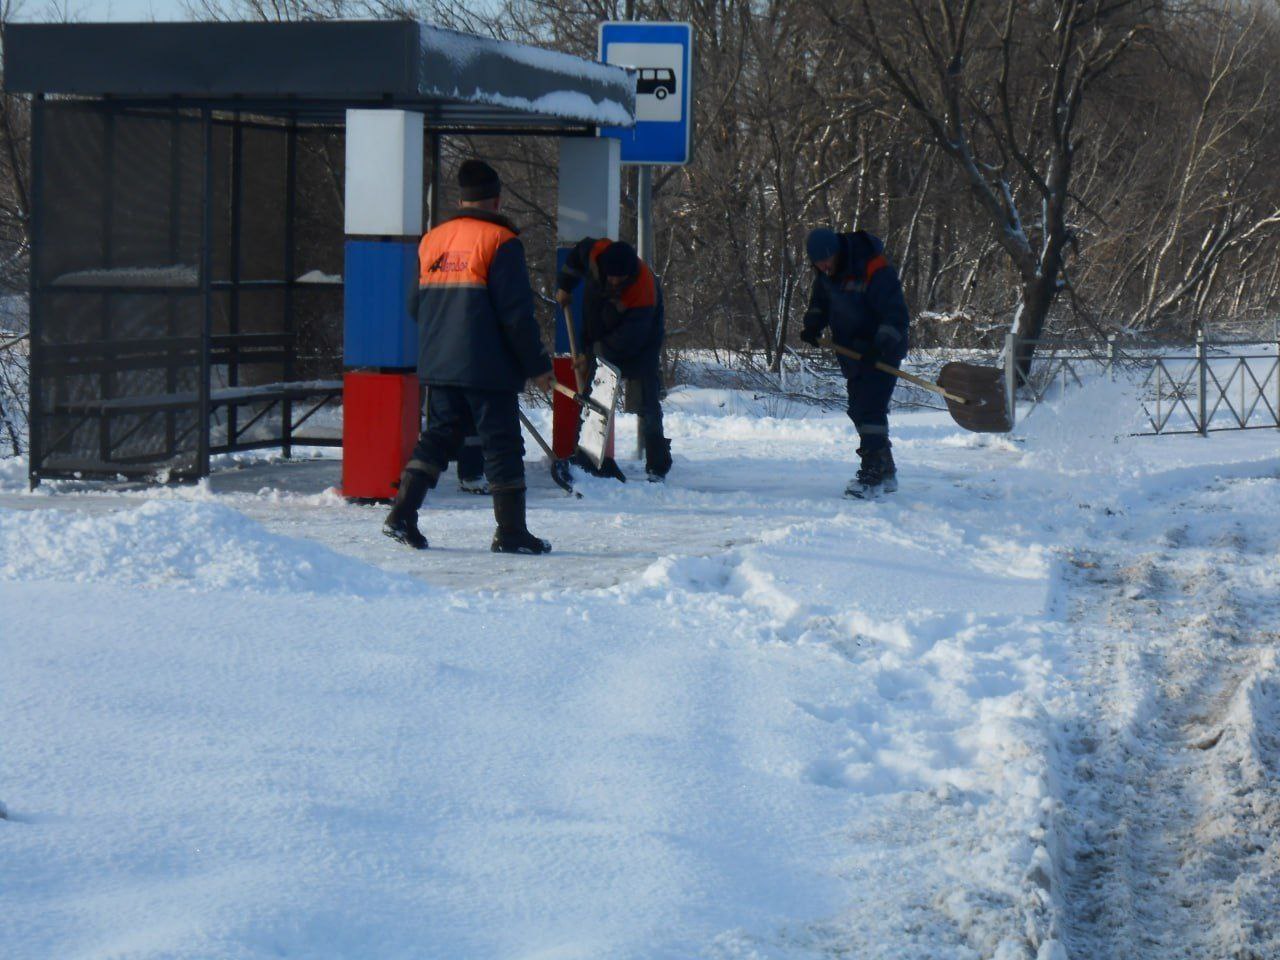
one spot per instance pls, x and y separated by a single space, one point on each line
589 203
381 397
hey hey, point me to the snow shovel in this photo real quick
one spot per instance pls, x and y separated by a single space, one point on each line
598 413
595 433
975 394
559 467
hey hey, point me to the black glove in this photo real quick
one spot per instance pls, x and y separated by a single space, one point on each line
871 355
810 336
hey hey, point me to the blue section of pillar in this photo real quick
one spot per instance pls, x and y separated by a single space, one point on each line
381 278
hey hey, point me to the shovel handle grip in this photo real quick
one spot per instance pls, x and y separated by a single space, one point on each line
910 378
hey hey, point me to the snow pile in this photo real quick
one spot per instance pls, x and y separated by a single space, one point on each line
934 708
13 474
1008 713
202 546
319 276
1081 432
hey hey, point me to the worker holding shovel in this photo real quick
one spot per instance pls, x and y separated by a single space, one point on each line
622 324
856 292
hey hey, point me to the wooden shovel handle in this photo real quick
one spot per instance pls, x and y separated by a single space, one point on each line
573 344
910 378
580 398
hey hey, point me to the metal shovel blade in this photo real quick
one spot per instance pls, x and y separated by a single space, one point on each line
560 473
986 409
562 476
597 423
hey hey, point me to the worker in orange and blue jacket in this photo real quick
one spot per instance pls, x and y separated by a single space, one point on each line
856 292
623 323
478 343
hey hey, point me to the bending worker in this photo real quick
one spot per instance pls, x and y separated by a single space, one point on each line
478 342
857 293
622 322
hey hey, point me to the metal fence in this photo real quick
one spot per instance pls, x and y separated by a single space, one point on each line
1201 388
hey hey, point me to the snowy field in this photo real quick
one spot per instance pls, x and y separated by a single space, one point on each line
1028 707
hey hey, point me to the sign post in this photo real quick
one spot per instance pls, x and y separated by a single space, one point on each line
662 56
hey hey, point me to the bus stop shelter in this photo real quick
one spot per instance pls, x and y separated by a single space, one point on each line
192 290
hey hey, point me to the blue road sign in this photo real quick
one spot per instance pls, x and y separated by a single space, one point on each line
662 56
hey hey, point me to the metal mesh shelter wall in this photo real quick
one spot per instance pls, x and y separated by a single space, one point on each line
167 308
117 314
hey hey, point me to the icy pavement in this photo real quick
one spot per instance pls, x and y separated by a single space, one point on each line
1027 707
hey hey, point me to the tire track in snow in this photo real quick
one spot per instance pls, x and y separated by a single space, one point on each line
1169 837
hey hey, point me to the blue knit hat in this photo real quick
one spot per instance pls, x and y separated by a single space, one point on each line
822 244
619 259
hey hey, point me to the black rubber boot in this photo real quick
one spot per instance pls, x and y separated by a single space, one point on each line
888 471
657 459
512 535
402 522
878 474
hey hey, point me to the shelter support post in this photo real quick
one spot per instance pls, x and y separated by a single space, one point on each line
291 276
384 179
35 446
206 295
590 197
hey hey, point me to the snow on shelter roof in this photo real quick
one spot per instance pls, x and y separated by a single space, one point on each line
456 79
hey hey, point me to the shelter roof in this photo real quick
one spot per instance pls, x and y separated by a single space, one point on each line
457 80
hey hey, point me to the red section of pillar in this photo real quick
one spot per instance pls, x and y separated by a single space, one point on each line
380 420
564 412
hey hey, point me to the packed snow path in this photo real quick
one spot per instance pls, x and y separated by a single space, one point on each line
1171 773
1027 707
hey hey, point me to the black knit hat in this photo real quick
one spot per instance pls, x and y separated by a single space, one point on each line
619 259
478 181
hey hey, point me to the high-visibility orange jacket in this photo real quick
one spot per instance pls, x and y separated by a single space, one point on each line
476 321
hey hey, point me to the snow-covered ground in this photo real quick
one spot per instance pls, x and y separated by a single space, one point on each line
1027 707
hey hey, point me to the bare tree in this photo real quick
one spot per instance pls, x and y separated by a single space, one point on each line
1054 165
15 249
1001 91
1218 196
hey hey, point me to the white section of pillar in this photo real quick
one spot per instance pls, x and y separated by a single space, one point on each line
590 188
384 173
